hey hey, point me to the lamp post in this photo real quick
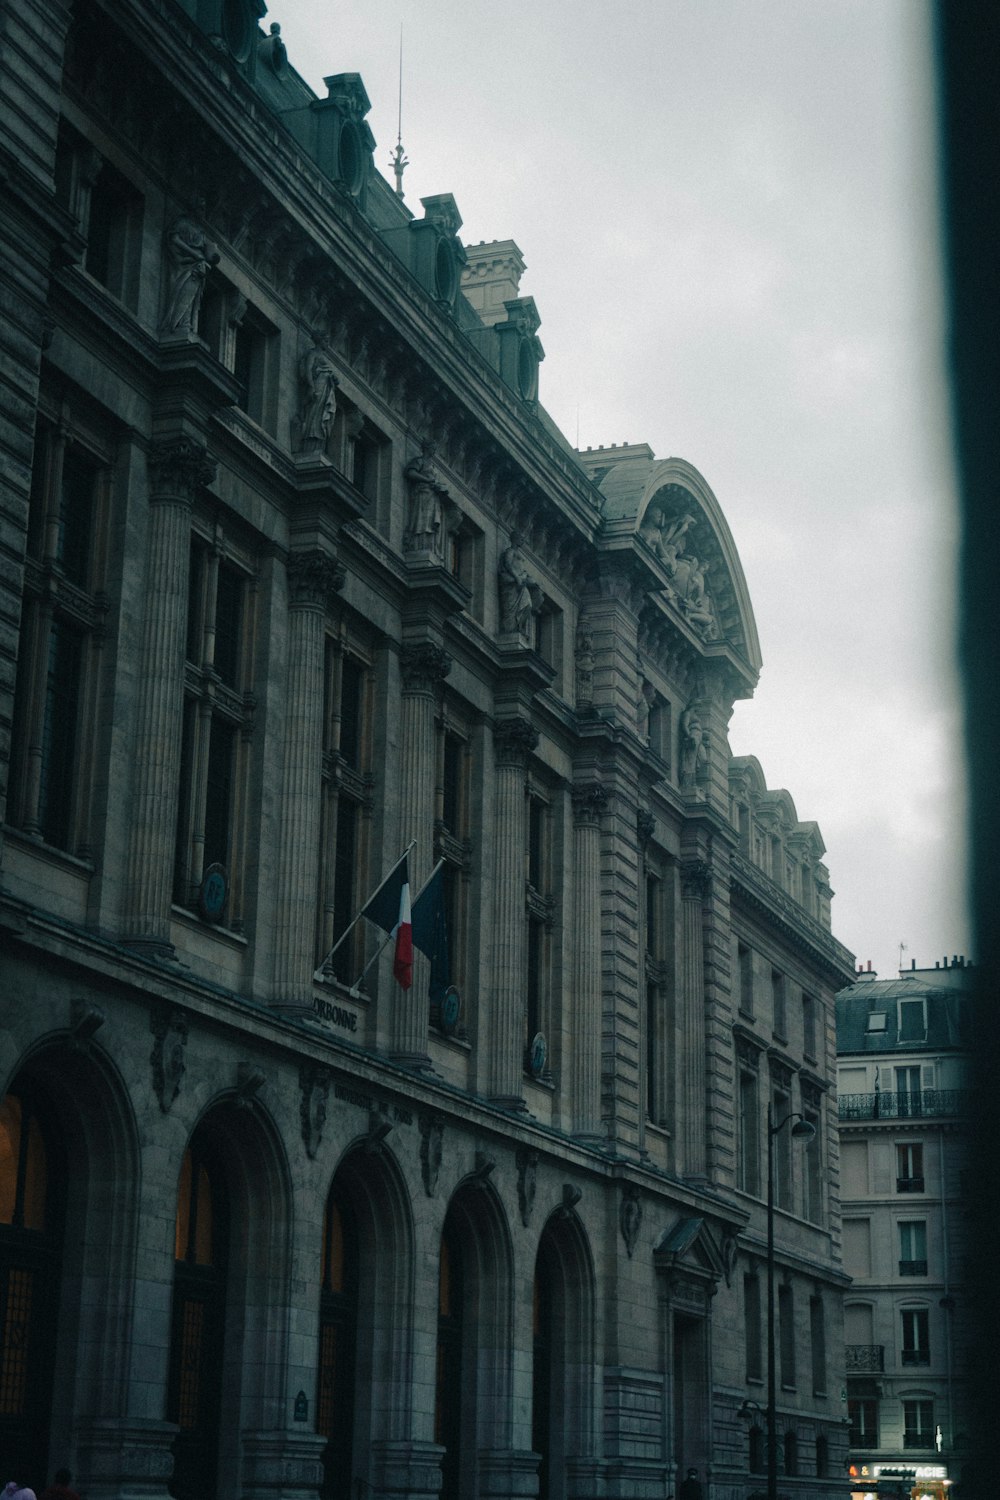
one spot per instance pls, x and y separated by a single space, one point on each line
802 1130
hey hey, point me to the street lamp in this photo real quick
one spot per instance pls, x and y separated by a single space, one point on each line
802 1130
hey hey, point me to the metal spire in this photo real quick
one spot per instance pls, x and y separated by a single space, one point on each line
398 161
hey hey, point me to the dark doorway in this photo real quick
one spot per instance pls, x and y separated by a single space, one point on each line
448 1396
338 1322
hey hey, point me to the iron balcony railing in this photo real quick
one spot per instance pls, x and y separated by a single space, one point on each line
927 1104
864 1359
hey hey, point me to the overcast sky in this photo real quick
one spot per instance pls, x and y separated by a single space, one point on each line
727 209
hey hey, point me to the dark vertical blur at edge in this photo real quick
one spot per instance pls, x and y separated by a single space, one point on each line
968 59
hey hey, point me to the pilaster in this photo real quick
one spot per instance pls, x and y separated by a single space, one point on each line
312 577
514 740
695 880
177 470
124 1458
589 801
406 1469
423 668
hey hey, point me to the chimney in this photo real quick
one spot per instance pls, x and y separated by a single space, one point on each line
491 277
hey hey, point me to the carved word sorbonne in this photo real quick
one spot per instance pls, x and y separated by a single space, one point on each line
369 1102
336 1014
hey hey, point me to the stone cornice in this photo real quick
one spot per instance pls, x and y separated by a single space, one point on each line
802 931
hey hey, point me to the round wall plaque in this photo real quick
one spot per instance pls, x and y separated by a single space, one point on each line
213 892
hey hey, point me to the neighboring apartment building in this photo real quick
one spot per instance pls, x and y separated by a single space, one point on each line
902 1074
296 571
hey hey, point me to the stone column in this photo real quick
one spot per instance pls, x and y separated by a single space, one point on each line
177 470
514 740
124 1456
589 801
695 879
282 1465
423 668
312 577
406 1469
508 1473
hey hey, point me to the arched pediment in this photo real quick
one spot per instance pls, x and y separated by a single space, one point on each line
681 531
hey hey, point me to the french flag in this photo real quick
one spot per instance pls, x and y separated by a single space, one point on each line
402 963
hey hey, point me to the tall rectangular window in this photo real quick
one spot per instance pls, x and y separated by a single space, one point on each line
912 1022
748 1164
216 729
653 1103
453 843
786 1336
779 1020
863 1418
539 907
55 702
745 961
918 1424
916 1348
817 1340
113 233
910 1167
908 1095
782 1146
913 1247
751 1328
809 1026
347 795
812 1169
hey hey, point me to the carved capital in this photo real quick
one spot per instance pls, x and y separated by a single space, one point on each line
178 469
423 667
431 1146
167 1057
314 1084
514 739
645 826
527 1173
630 1217
696 879
589 801
312 578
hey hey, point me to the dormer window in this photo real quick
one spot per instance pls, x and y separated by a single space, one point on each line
912 1021
876 1021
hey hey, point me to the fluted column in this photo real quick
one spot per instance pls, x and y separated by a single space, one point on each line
514 740
423 668
177 469
695 877
312 577
588 803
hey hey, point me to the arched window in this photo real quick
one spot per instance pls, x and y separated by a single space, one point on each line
541 1380
338 1322
791 1454
30 1246
757 1446
448 1396
194 1386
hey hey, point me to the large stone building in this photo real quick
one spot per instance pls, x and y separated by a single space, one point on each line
903 1049
297 573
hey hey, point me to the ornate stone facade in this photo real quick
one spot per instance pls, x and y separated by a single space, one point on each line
296 577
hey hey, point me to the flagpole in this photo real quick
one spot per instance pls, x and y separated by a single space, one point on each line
388 936
318 974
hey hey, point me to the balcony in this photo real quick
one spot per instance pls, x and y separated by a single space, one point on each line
909 1184
913 1268
928 1104
915 1356
864 1359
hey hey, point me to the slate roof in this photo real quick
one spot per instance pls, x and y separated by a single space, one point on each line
946 1009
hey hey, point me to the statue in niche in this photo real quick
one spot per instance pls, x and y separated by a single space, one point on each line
191 255
318 386
584 667
643 709
520 596
694 748
426 496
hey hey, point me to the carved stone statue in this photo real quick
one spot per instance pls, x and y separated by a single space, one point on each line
191 255
584 667
318 386
520 596
427 492
643 707
694 750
